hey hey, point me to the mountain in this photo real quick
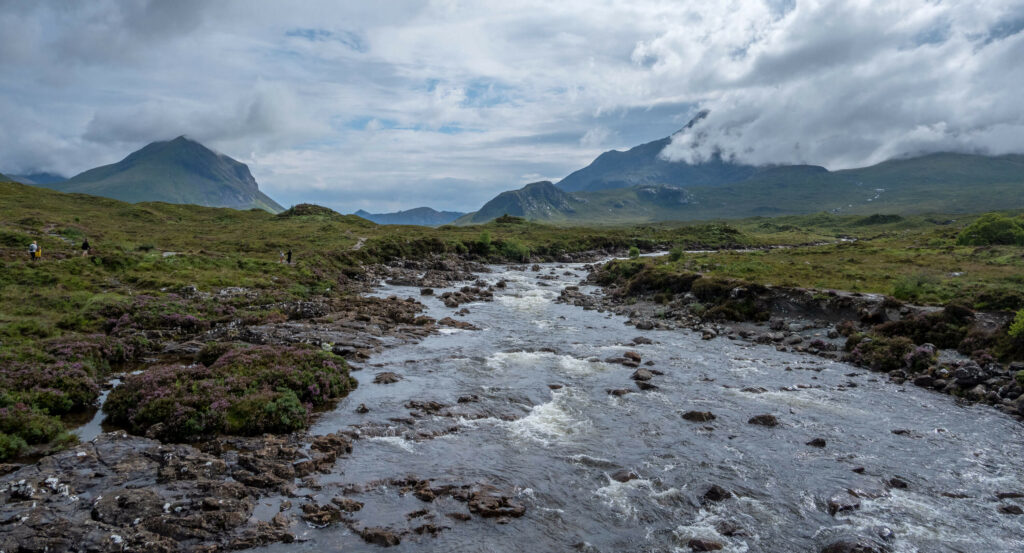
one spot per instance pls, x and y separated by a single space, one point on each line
422 216
940 183
180 171
642 165
539 200
39 179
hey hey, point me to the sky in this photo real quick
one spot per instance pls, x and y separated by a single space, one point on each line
398 104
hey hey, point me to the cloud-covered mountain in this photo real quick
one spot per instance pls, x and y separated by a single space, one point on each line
422 216
180 171
938 183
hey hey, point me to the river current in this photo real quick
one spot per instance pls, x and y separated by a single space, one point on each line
537 421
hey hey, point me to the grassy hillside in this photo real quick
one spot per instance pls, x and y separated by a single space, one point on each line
937 183
176 171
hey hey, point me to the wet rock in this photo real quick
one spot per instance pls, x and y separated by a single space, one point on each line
488 503
379 536
320 515
698 544
429 407
817 442
119 506
642 375
699 416
461 517
644 385
469 399
754 390
347 505
924 380
852 546
842 503
633 356
645 324
426 291
639 340
858 470
898 483
764 420
450 322
555 386
1009 495
716 493
386 378
618 392
362 409
624 475
334 443
1011 510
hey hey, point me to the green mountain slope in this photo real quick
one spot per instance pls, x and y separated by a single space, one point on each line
947 183
179 171
538 201
422 216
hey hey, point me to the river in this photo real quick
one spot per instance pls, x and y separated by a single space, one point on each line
556 449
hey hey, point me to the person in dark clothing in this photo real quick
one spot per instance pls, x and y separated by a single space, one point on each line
289 257
85 247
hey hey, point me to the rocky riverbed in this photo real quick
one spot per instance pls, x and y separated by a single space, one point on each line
540 410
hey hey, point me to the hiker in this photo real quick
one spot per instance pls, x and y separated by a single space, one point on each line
85 247
33 251
289 257
281 259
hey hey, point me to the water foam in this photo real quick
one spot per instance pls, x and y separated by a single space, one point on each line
397 441
551 421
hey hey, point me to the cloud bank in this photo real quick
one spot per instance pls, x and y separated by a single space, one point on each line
446 103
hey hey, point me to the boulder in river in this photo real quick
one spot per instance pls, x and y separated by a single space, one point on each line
764 420
817 442
624 475
698 544
853 546
386 378
699 416
716 493
379 536
642 374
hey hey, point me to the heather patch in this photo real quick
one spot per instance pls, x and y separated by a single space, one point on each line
246 390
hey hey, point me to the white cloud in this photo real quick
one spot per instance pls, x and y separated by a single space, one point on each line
447 103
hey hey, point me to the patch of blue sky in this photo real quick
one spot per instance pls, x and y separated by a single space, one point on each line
485 93
348 38
364 122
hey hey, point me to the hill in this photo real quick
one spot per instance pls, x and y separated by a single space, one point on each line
179 171
536 201
422 216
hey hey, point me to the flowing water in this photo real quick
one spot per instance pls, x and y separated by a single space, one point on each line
555 450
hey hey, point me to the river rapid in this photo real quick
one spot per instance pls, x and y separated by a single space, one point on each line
537 420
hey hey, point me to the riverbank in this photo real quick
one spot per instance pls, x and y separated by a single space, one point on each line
951 349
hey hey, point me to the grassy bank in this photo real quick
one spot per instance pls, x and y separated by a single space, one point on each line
67 322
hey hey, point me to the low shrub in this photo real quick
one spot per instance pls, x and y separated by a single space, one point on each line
879 353
244 390
993 229
10 446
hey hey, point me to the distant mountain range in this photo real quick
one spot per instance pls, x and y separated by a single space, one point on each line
422 216
39 179
638 185
180 171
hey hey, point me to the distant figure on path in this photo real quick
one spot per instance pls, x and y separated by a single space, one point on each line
85 247
33 251
289 257
281 259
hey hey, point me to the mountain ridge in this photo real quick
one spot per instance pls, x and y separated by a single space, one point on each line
421 216
180 171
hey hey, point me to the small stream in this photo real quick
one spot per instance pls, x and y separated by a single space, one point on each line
556 449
